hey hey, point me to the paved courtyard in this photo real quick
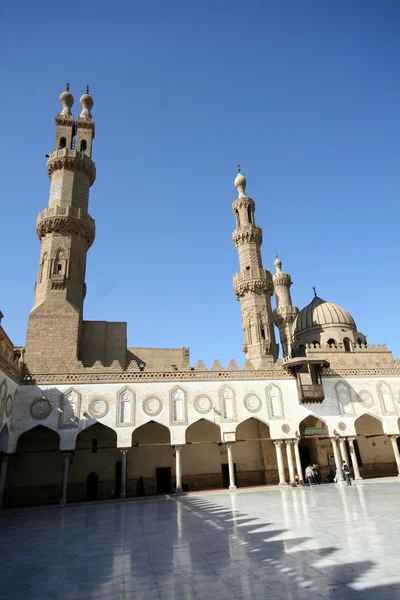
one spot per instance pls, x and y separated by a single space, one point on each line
328 541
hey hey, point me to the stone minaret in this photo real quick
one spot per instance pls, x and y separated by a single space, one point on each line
66 231
285 313
253 284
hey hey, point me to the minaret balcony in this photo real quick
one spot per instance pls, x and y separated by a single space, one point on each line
254 280
250 234
71 160
285 314
64 220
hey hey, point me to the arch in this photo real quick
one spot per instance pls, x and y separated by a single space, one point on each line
347 345
274 402
178 406
126 400
332 342
83 147
99 431
254 453
63 143
344 398
359 341
4 437
35 429
375 453
312 449
227 403
386 399
245 427
203 430
151 432
367 424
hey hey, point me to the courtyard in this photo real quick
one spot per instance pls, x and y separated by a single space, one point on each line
328 541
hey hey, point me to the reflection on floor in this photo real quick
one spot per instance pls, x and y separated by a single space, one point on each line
329 541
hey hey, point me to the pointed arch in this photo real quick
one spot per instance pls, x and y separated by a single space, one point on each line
227 404
70 409
126 408
40 435
312 422
95 436
246 427
275 407
386 398
368 424
344 398
203 430
178 406
151 432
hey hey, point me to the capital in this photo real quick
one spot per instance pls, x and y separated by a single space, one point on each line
123 450
278 443
178 448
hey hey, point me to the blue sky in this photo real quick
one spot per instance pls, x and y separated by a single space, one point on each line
305 95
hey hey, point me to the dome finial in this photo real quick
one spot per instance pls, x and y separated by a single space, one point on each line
87 104
315 291
240 182
277 263
67 101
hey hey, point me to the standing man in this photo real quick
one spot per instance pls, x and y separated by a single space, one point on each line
346 471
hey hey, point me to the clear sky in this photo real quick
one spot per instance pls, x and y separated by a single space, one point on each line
305 95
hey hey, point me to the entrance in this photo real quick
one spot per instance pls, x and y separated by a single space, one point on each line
118 470
163 480
305 457
225 474
92 485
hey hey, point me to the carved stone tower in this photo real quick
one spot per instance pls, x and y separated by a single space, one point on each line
285 313
253 284
66 231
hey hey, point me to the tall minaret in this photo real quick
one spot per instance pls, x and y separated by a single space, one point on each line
66 231
253 284
285 313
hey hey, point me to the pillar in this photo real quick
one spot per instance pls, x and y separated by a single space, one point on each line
63 499
232 482
3 475
124 452
354 460
298 461
338 462
178 469
393 439
290 460
343 450
279 458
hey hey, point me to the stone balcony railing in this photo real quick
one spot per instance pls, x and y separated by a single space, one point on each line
252 279
66 219
71 159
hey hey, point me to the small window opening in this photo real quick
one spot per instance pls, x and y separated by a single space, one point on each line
332 342
249 215
262 333
359 341
237 218
63 143
94 445
59 268
247 268
347 345
83 146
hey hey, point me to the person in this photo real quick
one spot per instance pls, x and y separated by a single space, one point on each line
185 487
315 469
296 478
346 471
309 475
140 487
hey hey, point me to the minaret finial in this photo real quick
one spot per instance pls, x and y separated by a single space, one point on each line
240 182
315 291
67 100
277 263
87 104
238 168
87 89
67 87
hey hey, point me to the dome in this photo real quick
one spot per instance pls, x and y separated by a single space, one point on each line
320 313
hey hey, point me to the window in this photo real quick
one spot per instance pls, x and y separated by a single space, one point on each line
359 341
237 218
83 146
59 268
63 143
249 215
262 333
332 342
347 345
247 268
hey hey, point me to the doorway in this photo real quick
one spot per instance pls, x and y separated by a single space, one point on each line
92 486
225 474
305 457
163 480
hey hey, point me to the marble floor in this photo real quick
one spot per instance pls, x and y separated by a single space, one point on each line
328 541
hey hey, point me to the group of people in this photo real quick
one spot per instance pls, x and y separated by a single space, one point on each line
313 475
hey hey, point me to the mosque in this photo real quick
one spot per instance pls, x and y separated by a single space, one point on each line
82 416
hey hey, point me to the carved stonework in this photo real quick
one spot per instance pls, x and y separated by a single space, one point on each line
227 404
65 225
246 235
202 405
343 395
98 408
40 409
69 410
252 403
178 407
285 428
152 406
342 426
274 402
71 160
386 399
8 407
365 399
126 404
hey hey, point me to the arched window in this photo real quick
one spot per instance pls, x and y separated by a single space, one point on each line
315 343
332 342
237 218
359 341
262 333
249 215
83 146
63 143
347 345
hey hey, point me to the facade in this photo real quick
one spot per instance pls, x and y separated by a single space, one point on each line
82 416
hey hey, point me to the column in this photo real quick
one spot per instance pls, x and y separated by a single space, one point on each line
63 499
393 439
343 450
290 460
232 482
353 457
279 458
298 461
3 475
124 452
338 462
178 469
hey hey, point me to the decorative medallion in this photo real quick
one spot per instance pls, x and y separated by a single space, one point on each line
152 406
40 409
8 405
98 408
365 399
285 428
203 405
342 426
252 403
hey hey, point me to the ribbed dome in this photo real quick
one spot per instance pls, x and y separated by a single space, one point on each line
322 313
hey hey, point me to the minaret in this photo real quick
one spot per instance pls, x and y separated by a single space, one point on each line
253 284
285 313
66 231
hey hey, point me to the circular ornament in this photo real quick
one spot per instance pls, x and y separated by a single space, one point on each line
252 403
40 409
365 399
98 408
342 426
152 406
202 404
3 390
285 428
8 405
